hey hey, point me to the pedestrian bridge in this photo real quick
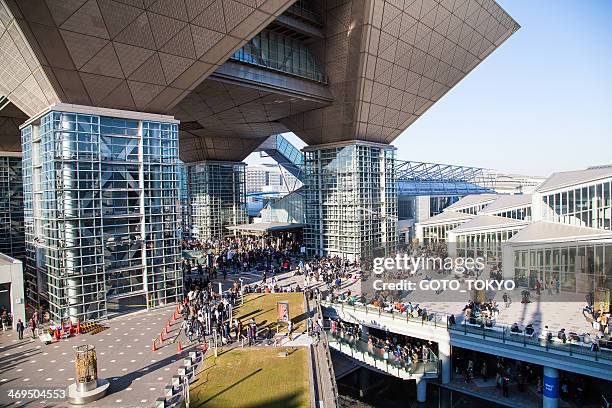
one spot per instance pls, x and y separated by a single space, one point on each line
435 327
377 359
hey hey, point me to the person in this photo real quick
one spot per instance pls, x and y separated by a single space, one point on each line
505 297
564 390
520 379
483 371
469 373
505 384
562 336
558 285
579 390
20 328
290 329
33 326
550 287
4 321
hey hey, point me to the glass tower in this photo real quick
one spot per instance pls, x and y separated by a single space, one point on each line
101 189
12 240
351 199
217 192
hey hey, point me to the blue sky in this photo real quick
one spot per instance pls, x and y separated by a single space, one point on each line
540 103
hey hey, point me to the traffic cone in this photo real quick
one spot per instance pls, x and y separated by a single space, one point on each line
179 349
78 329
153 347
161 338
166 329
204 347
56 334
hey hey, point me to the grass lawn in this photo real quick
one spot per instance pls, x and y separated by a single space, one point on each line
262 307
253 378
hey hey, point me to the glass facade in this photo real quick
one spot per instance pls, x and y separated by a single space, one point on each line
101 212
475 209
351 200
12 239
438 204
406 207
437 233
184 207
278 52
217 193
516 213
578 266
586 206
487 244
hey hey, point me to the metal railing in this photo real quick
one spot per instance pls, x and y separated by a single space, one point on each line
383 359
330 366
496 332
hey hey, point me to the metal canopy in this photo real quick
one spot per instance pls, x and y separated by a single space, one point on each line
420 178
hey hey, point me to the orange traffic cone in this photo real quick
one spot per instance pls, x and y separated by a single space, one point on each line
179 349
153 347
56 334
204 347
78 329
161 338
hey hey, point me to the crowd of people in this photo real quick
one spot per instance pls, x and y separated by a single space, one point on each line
397 349
488 311
235 254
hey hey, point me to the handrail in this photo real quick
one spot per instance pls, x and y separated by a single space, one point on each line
329 359
388 361
498 332
325 345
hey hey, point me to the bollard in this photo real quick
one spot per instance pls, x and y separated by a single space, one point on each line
177 380
187 362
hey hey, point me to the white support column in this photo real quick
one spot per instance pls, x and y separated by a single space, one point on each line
421 385
444 354
550 392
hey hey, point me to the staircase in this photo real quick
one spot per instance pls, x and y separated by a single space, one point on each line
285 154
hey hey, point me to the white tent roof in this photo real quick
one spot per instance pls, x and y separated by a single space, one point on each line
471 200
552 231
570 178
504 202
486 222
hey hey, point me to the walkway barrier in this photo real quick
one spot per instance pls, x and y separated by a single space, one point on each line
330 365
575 345
383 360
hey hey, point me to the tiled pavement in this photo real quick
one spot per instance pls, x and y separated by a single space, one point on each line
137 374
526 399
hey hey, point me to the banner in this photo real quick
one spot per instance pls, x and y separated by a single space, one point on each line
551 387
282 311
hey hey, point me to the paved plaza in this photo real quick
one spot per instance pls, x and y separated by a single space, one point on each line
137 374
